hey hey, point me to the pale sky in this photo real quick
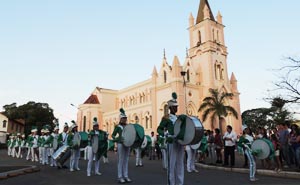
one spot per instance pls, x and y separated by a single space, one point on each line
58 51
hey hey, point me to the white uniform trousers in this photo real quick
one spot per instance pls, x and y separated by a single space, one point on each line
176 159
75 155
28 157
191 155
164 158
34 156
41 153
13 152
91 158
86 153
52 161
138 157
45 155
19 152
252 163
9 151
123 157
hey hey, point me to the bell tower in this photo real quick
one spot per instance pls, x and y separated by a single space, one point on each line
207 51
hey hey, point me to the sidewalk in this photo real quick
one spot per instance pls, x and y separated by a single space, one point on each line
239 162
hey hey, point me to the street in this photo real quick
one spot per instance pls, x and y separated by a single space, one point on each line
151 174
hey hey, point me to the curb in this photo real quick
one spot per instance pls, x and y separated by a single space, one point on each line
14 173
282 174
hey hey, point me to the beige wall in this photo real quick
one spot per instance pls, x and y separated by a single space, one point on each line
2 118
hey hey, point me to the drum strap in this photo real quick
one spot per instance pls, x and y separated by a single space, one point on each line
120 126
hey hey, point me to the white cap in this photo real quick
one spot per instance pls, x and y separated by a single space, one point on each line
95 122
73 125
122 113
173 101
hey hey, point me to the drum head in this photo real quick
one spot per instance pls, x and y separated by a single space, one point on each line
145 142
129 135
194 131
262 148
196 146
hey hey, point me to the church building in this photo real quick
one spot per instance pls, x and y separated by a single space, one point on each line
204 67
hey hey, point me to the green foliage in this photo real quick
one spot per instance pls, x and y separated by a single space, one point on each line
214 105
34 114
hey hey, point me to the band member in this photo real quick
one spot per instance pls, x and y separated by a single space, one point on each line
138 157
175 150
97 147
46 145
29 146
34 145
41 148
9 145
245 142
63 140
163 148
123 151
74 139
18 143
54 145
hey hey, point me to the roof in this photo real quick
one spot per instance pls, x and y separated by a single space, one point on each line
200 16
93 99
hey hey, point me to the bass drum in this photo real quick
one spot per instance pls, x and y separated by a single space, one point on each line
60 152
133 135
196 146
192 129
147 142
263 148
84 139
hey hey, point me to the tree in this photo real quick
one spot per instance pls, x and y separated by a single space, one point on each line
214 105
267 117
260 117
288 82
34 114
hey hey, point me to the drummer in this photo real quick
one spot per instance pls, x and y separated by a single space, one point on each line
245 142
97 147
54 144
123 151
74 143
175 150
63 140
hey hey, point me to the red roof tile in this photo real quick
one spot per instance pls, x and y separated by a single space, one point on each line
93 99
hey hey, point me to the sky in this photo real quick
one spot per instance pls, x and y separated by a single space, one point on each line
58 51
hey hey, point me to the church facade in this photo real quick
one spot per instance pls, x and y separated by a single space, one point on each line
205 67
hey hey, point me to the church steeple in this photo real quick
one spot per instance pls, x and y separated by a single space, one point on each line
204 9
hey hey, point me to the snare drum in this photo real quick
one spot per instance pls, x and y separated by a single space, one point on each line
193 130
262 148
133 135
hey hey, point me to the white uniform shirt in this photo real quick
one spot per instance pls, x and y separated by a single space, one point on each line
233 137
153 141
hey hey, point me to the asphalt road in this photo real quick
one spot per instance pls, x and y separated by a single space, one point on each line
151 174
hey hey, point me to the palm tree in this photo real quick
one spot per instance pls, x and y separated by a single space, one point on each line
214 106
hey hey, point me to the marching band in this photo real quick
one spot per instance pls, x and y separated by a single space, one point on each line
56 148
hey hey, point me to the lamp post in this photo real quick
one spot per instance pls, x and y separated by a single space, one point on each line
183 73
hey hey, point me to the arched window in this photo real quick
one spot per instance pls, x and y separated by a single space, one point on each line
213 34
4 123
216 75
188 75
150 121
199 38
166 110
165 76
147 122
84 123
218 35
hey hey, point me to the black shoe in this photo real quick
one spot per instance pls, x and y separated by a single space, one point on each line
225 165
65 167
